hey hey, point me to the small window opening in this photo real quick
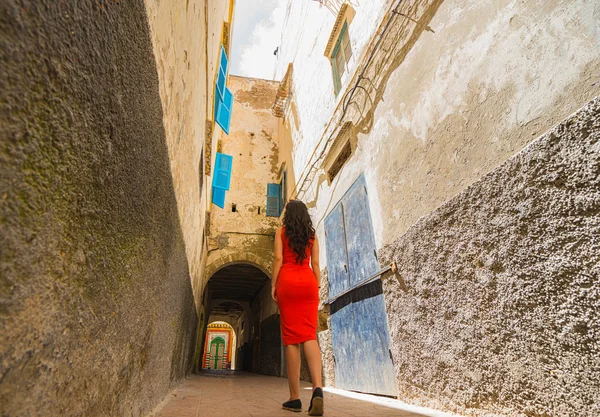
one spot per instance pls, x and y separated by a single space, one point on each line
234 208
340 161
259 210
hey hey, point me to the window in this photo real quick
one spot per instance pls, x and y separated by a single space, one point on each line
273 200
340 151
221 179
277 195
339 49
340 57
336 167
223 96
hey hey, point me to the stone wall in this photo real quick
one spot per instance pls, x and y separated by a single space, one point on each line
494 309
97 312
270 346
247 234
186 38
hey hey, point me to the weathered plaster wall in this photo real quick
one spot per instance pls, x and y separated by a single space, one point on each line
97 311
495 304
489 78
306 31
247 234
186 37
494 76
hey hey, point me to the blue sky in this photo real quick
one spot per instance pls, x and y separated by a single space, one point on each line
256 34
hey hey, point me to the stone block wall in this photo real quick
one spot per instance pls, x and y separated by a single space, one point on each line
97 315
270 346
494 309
246 233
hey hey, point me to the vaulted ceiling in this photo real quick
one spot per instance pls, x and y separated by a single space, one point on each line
238 282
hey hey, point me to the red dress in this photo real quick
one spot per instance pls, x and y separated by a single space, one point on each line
297 297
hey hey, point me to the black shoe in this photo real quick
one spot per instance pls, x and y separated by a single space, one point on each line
316 403
294 405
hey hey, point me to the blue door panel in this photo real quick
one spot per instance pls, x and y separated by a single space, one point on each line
335 247
359 325
375 367
360 238
343 349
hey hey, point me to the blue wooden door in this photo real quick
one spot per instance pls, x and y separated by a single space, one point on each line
360 335
360 239
335 245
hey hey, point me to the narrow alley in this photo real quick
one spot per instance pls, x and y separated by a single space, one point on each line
443 157
245 395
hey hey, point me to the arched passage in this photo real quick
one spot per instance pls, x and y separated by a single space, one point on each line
239 294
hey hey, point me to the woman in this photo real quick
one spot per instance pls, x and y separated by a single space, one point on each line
295 289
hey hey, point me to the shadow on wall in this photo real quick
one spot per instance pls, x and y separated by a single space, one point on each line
97 311
407 23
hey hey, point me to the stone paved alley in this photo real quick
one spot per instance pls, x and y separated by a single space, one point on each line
244 395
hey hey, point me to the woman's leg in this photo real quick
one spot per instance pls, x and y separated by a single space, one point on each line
313 357
292 362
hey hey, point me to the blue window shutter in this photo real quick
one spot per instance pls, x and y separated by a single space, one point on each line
221 79
224 62
222 175
222 74
223 116
273 200
218 197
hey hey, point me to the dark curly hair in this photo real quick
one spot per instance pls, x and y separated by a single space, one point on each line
298 228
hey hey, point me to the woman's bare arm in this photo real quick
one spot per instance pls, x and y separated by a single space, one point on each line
314 261
277 262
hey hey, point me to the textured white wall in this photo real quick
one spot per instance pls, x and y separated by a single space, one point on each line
305 35
490 78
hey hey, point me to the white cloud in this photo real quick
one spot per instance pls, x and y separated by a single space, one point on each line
257 34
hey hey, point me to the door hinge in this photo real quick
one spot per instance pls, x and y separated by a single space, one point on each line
375 253
391 357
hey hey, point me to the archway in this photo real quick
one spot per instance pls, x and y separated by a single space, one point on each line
239 295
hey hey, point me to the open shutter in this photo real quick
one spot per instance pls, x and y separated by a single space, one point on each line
223 116
273 200
222 175
222 74
218 197
221 179
337 83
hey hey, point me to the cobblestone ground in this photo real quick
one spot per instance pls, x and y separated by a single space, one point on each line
244 394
